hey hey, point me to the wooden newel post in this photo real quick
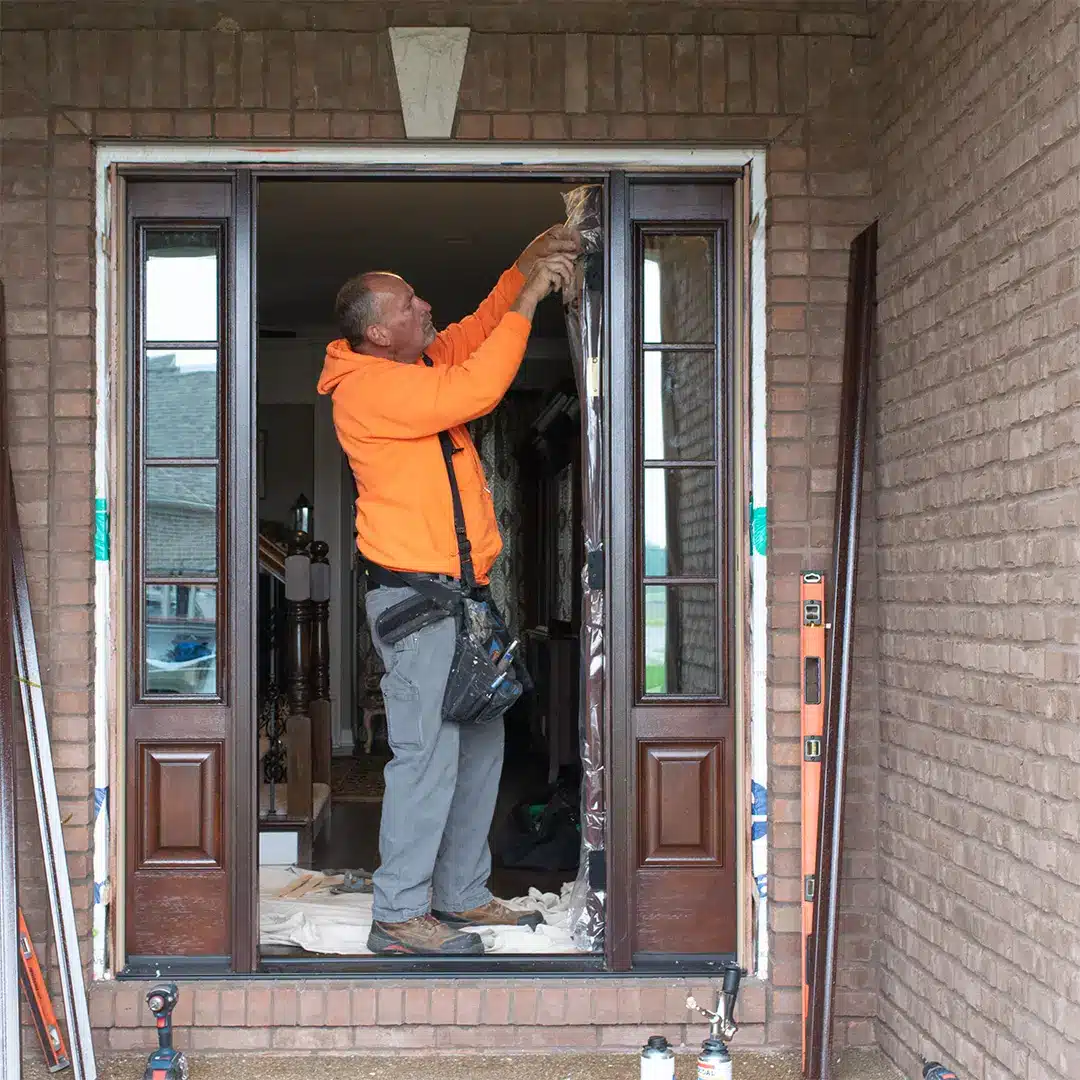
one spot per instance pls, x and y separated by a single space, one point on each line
322 736
297 641
320 625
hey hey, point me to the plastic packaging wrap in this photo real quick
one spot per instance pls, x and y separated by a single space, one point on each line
584 304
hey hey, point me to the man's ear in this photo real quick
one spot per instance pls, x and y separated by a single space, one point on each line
378 335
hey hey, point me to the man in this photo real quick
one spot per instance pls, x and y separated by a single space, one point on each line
389 407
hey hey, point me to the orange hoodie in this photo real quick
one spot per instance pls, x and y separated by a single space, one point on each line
388 416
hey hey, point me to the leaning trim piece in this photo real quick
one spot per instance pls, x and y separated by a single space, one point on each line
10 1046
854 395
52 834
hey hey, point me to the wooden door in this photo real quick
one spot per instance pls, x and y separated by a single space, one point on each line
673 742
188 794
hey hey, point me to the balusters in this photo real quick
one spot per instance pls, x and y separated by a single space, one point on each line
297 649
322 736
320 626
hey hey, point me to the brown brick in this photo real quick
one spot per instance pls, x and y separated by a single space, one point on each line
391 1006
387 126
549 127
468 1006
232 125
272 125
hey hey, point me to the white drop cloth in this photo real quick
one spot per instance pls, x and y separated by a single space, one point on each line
321 922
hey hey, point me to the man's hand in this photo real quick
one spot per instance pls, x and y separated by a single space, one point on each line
559 239
549 273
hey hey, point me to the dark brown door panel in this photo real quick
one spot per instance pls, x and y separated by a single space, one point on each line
681 804
180 794
190 913
683 911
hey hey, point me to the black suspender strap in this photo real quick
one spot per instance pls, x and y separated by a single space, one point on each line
468 574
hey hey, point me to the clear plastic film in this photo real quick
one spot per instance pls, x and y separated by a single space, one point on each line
584 305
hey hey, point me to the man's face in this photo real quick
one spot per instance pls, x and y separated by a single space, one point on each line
404 328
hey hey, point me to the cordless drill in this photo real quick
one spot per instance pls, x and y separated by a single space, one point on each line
933 1070
165 1063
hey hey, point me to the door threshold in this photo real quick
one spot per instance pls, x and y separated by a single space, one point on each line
415 966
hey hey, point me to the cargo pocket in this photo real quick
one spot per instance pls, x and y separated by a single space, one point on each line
401 695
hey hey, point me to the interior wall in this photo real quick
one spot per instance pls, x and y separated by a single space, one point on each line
978 189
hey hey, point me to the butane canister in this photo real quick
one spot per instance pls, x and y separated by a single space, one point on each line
657 1059
714 1061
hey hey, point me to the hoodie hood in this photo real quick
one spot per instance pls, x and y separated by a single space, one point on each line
340 361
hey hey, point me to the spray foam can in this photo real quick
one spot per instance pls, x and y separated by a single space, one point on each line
657 1059
714 1061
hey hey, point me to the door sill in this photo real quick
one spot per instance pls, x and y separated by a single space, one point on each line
431 965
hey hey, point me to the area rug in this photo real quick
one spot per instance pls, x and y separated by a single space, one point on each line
322 922
357 779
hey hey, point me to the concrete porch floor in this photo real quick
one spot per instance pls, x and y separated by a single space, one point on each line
856 1065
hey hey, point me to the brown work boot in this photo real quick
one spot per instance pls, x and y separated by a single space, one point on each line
493 913
421 936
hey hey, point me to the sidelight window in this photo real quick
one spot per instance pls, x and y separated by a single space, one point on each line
178 464
681 466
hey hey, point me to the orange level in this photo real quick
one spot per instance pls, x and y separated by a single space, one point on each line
812 707
37 997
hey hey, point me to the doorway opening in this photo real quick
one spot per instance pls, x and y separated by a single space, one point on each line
320 776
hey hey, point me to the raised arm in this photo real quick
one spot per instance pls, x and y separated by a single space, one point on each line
411 401
458 341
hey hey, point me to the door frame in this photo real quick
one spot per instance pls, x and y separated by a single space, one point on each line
115 160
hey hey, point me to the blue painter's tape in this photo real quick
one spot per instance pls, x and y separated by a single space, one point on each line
101 798
101 530
759 529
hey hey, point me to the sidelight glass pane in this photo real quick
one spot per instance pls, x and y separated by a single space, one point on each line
680 522
681 654
181 403
182 285
181 639
678 289
679 404
181 521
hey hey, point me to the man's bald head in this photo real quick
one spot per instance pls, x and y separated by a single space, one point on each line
358 305
379 313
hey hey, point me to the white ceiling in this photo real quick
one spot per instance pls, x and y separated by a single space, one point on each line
449 239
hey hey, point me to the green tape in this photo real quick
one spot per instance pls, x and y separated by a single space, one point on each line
101 530
759 529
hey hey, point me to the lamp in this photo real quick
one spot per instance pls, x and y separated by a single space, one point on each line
301 515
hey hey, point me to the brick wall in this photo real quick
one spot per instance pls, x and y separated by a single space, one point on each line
979 193
790 75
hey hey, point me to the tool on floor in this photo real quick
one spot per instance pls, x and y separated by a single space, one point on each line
165 1063
657 1059
934 1070
714 1061
37 997
812 708
353 881
65 936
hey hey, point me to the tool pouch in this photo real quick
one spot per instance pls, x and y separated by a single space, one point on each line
477 689
405 618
